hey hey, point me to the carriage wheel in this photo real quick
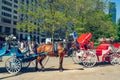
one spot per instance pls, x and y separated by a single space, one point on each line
77 56
115 59
13 65
89 58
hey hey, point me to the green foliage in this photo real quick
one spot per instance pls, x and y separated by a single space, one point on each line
92 18
26 26
118 30
69 15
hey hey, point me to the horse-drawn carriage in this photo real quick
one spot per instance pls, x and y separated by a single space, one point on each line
86 53
17 59
106 51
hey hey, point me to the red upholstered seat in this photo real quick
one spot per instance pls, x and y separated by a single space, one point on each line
100 48
116 45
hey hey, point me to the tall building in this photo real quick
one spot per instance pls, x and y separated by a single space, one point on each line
36 35
112 11
8 16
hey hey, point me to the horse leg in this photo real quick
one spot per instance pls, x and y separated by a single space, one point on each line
36 64
61 62
39 59
40 62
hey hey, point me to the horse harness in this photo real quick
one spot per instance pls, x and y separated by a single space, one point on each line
53 49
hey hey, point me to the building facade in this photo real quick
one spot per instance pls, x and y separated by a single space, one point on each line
9 17
112 11
36 35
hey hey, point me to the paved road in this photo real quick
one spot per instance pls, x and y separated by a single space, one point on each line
102 71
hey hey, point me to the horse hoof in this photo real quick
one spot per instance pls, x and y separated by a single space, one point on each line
43 70
61 70
36 69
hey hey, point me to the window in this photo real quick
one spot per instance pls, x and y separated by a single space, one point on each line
14 31
16 1
21 19
27 1
1 28
7 30
15 6
6 8
6 14
15 17
5 20
21 36
15 22
15 11
6 3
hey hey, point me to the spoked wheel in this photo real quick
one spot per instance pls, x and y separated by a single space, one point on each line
77 56
115 59
13 65
89 58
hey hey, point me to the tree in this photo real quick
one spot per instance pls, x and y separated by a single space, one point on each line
46 14
92 18
68 15
118 27
27 22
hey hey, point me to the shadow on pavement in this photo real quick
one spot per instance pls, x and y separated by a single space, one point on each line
50 69
100 64
3 70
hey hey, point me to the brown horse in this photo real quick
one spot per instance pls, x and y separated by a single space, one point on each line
49 49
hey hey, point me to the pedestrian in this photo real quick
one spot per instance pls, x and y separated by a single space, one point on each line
112 40
21 46
35 46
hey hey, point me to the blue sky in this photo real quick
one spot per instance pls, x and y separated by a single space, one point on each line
117 7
